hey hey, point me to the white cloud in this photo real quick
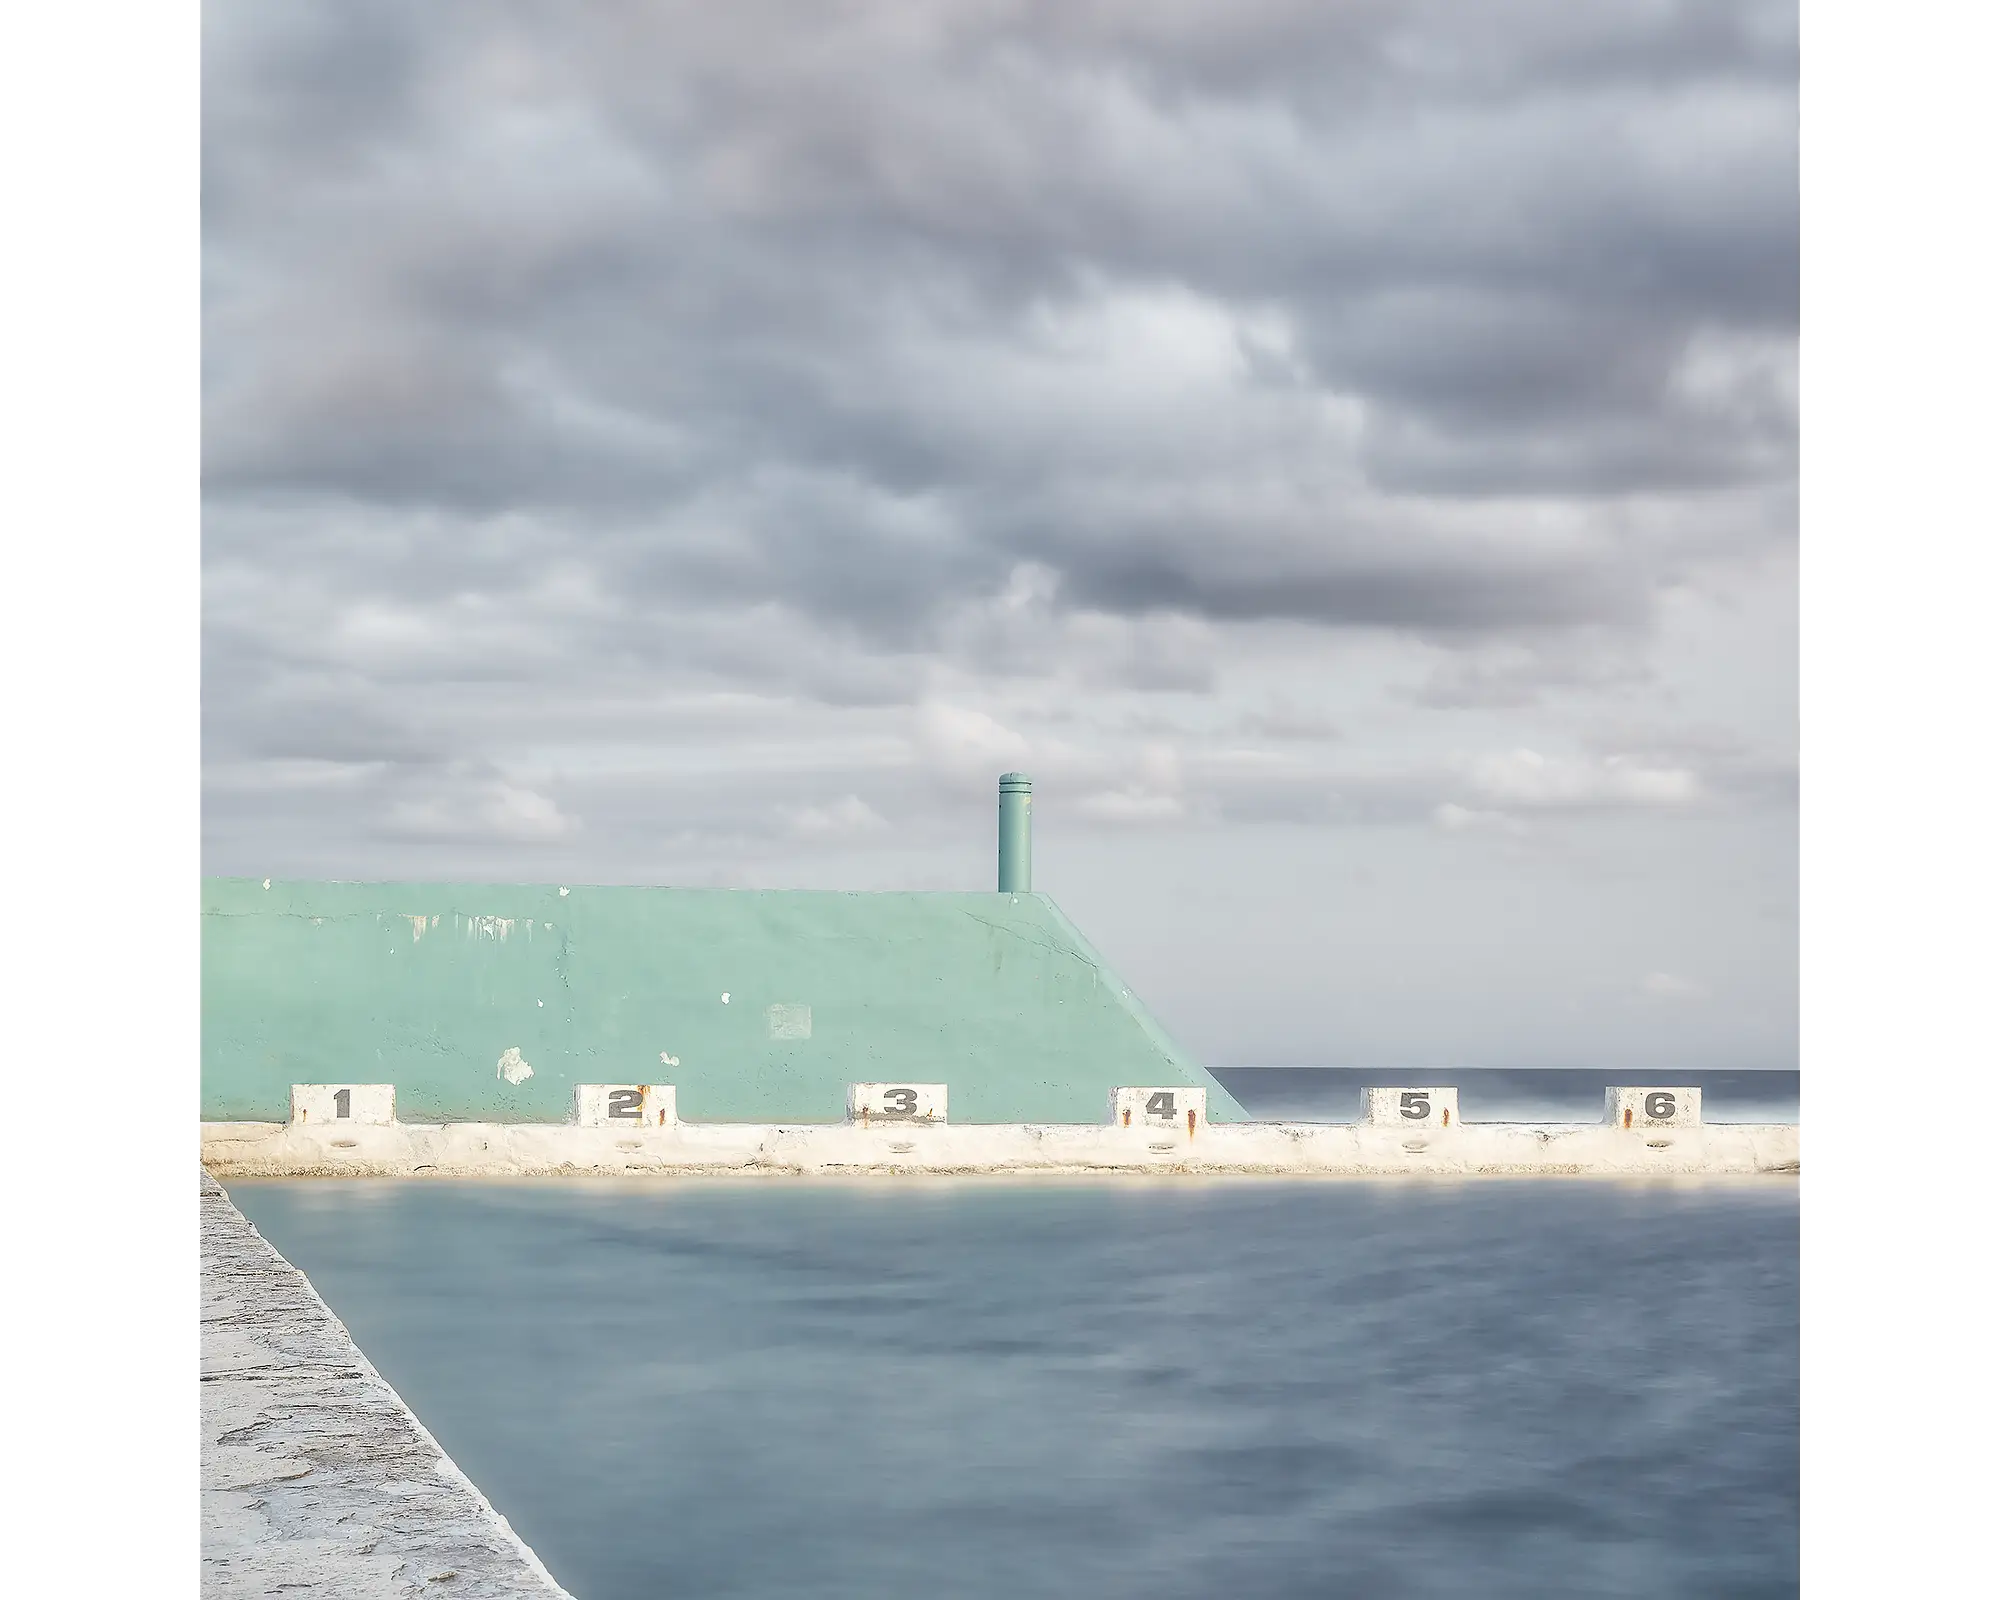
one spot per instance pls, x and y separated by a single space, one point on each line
1527 779
967 741
1126 806
1454 818
1671 986
849 817
1151 793
494 810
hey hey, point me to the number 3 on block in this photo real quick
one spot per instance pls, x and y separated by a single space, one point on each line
895 1102
1177 1106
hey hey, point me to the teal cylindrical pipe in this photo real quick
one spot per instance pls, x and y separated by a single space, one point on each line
1017 856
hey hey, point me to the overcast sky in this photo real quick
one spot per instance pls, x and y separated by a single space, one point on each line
1346 454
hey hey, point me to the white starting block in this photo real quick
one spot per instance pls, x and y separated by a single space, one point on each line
1652 1108
373 1104
1176 1107
620 1105
895 1102
1410 1108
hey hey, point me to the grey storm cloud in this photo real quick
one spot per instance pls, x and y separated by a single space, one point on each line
1278 310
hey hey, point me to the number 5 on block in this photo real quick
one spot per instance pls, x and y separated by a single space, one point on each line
370 1103
1410 1108
1177 1106
895 1102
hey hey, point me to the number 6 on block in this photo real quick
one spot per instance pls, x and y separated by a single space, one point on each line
1410 1108
1177 1106
625 1105
370 1103
1652 1108
895 1102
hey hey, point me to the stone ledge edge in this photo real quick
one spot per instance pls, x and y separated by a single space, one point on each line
485 1150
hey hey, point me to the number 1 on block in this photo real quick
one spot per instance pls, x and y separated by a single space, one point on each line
368 1104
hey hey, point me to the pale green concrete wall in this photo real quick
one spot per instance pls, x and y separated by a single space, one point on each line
427 986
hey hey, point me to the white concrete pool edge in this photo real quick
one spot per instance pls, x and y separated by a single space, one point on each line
486 1149
316 1478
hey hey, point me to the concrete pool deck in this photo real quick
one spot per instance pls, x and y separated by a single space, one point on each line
316 1479
1272 1149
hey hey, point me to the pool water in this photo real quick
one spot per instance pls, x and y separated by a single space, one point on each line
1125 1388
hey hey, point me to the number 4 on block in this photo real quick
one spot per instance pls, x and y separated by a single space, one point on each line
1169 1106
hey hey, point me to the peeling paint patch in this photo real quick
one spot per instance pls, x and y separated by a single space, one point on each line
512 1067
496 927
789 1021
267 883
669 1061
563 892
419 924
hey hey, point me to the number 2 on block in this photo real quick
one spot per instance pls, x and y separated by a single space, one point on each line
625 1103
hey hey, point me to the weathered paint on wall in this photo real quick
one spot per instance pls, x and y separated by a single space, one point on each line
492 1002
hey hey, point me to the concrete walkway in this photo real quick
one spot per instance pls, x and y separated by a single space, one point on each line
1272 1149
316 1479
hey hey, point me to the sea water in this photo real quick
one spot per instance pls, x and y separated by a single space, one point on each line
1002 1388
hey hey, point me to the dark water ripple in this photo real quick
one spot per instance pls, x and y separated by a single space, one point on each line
1126 1389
